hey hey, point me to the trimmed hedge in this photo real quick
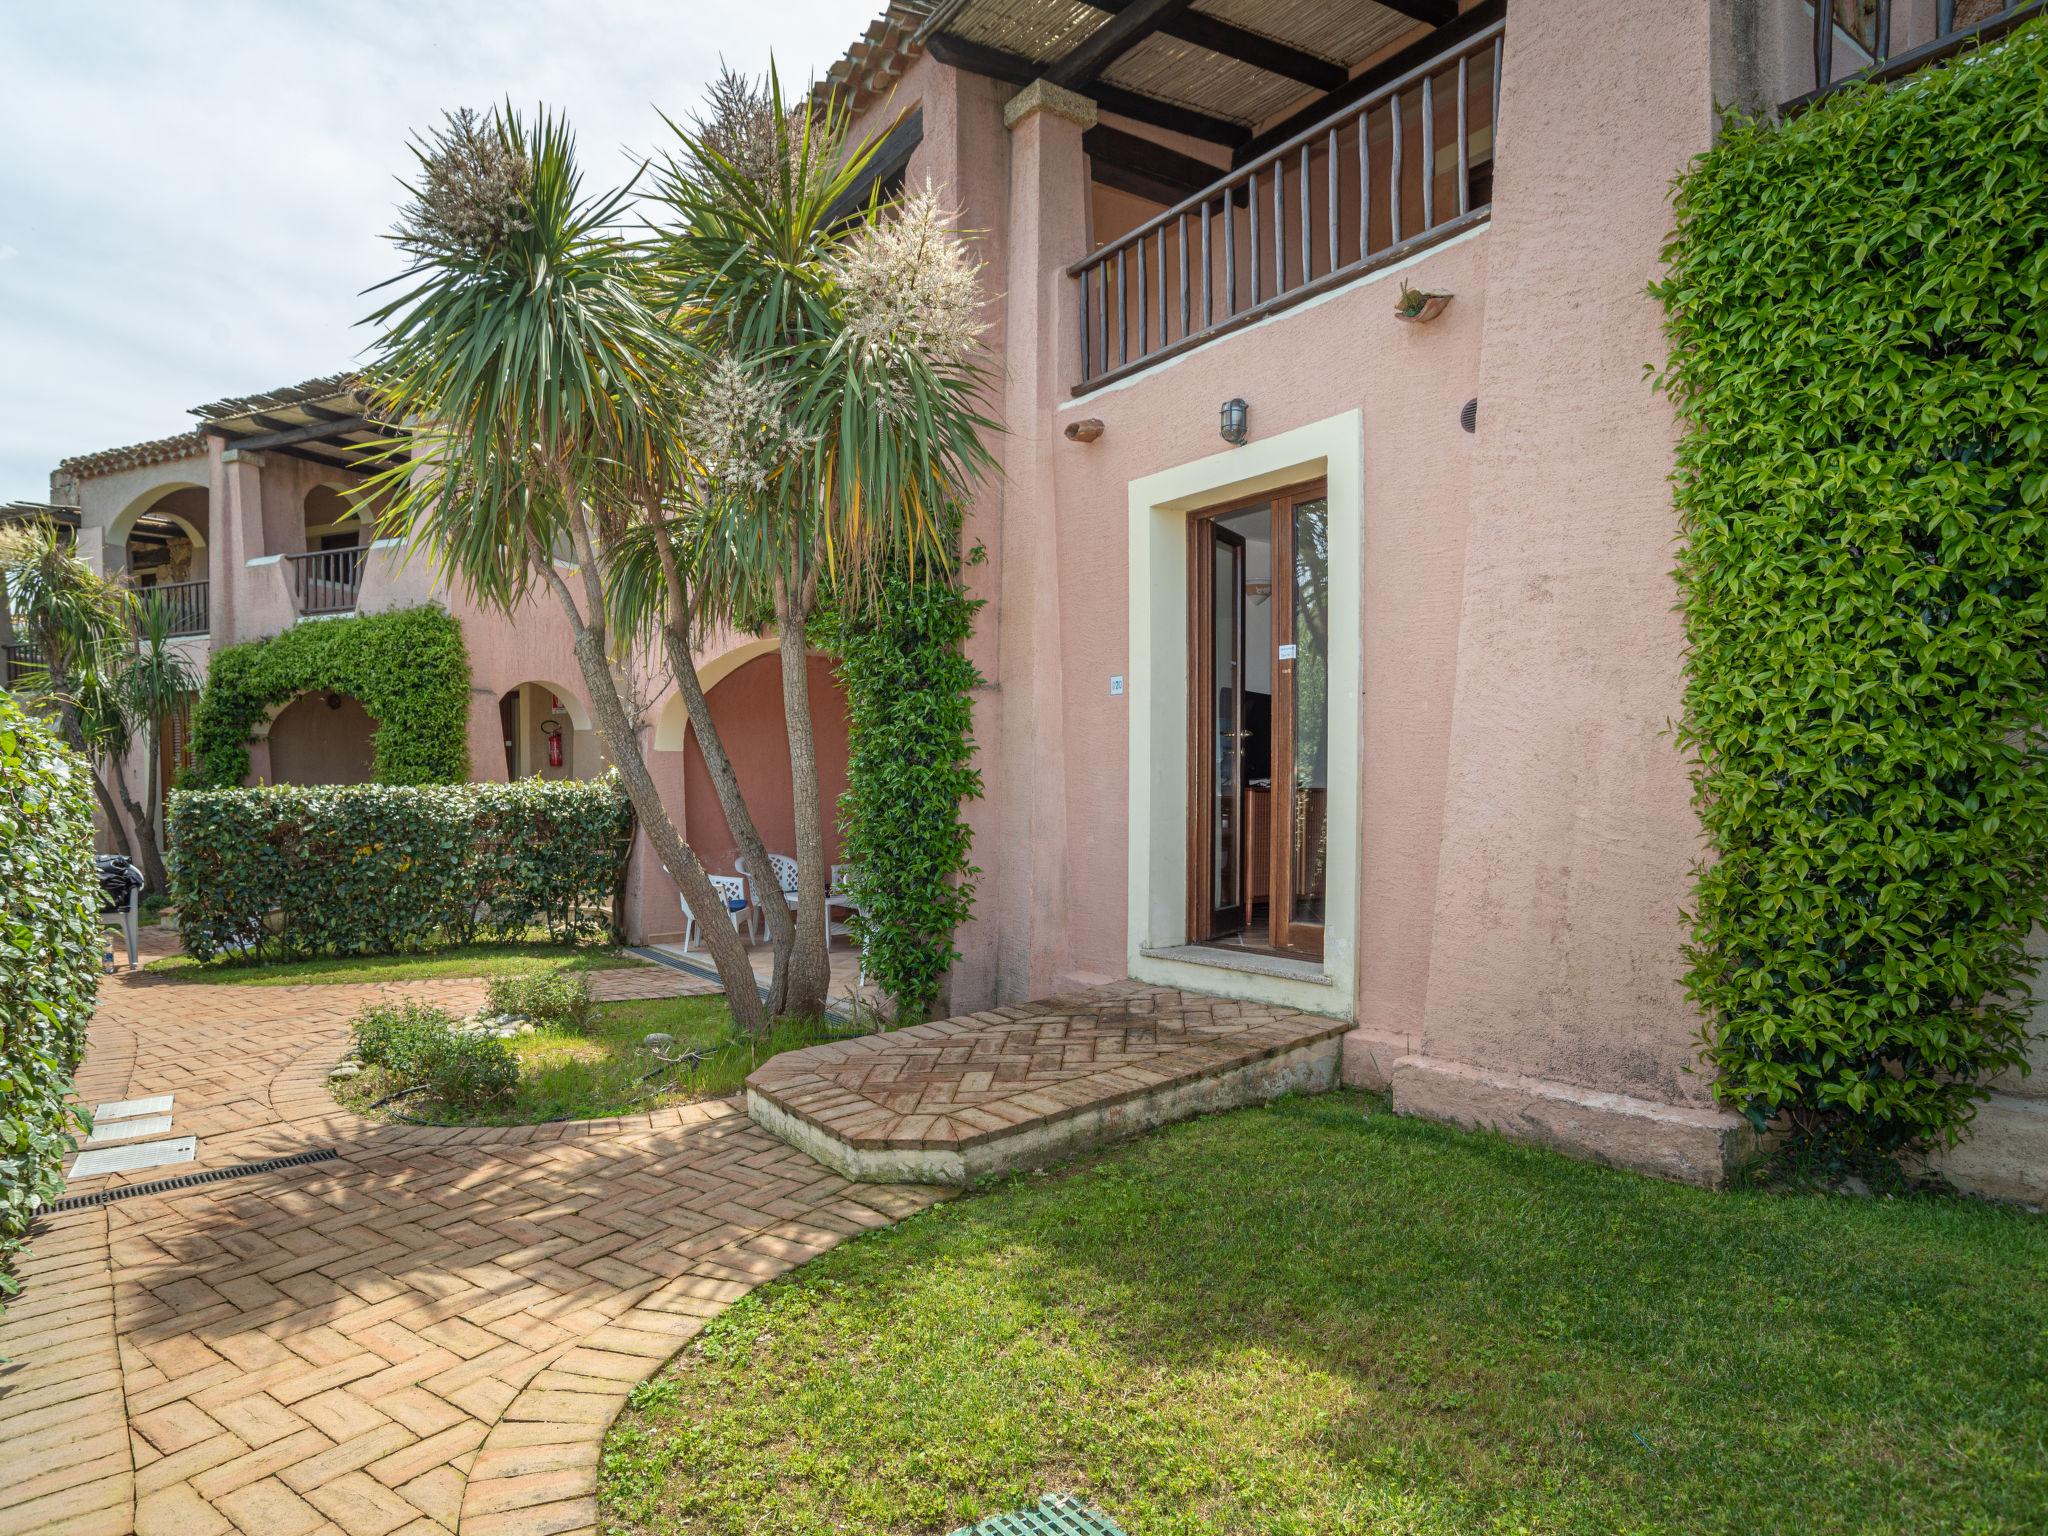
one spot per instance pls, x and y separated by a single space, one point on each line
909 769
49 965
369 869
407 668
1858 302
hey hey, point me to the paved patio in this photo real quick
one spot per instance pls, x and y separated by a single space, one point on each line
429 1333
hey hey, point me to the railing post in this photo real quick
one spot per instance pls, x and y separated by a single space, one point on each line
1823 43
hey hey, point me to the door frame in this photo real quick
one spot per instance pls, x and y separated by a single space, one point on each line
1279 505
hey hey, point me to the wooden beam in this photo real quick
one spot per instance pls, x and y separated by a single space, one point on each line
1145 169
1359 87
890 158
282 435
1254 48
1015 69
1112 40
1434 13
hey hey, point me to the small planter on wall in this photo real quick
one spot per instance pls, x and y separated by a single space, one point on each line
1419 307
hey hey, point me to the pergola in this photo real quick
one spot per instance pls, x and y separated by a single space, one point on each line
322 421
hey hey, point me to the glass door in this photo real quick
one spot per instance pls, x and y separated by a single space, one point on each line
1219 670
1258 851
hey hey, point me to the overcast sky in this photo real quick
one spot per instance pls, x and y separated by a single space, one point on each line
194 193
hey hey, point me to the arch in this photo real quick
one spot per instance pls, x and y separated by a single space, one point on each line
123 523
672 725
321 736
523 710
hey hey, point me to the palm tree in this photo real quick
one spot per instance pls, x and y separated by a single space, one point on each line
534 377
155 682
77 621
833 425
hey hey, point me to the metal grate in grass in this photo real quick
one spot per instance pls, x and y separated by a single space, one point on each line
1057 1514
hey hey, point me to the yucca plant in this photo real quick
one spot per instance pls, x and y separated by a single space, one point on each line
535 380
832 422
77 621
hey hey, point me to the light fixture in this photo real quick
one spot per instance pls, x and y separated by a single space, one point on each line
334 701
1236 415
1084 431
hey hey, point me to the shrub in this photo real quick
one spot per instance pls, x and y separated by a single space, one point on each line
909 768
366 869
560 1000
407 668
1856 305
400 1038
419 1046
49 966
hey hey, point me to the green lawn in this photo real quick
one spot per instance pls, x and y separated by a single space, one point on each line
564 1075
460 960
1317 1318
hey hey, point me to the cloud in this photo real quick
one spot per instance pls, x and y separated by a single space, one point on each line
211 182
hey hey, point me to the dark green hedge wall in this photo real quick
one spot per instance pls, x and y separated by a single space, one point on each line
366 869
408 669
49 965
1858 302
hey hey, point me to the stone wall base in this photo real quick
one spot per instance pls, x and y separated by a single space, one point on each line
1670 1141
2005 1156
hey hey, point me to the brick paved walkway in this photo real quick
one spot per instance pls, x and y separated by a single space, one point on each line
430 1333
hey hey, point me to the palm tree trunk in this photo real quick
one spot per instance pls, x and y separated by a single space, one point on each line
153 876
810 967
73 736
622 741
739 820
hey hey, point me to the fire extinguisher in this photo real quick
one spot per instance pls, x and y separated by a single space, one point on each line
552 729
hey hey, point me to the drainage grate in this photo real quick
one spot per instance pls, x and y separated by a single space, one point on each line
1058 1514
186 1181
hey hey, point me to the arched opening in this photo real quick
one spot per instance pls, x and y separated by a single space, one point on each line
159 540
548 735
321 738
746 704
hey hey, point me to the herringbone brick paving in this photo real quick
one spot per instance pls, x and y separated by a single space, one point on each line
429 1334
962 1081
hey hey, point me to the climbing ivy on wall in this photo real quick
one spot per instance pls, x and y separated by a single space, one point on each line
408 669
909 769
1858 306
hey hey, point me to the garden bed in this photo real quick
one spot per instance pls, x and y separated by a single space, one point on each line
1319 1317
608 1066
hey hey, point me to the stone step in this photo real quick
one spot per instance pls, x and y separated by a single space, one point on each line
954 1101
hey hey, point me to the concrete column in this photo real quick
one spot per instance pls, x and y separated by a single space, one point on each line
1048 230
236 500
1555 1007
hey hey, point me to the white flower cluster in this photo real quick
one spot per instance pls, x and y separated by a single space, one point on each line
739 124
473 194
740 428
909 286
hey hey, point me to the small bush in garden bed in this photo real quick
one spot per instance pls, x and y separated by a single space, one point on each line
365 869
414 1045
49 965
558 1000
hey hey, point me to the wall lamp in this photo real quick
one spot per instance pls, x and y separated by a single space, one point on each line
1236 422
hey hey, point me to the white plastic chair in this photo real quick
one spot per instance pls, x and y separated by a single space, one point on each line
129 920
838 897
732 890
784 869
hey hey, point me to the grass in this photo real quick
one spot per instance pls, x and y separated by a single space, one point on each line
1317 1318
458 960
564 1075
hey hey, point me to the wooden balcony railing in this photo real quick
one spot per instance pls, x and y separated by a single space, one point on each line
21 666
1886 39
326 580
1406 166
185 601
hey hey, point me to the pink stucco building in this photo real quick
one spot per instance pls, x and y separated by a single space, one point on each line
1331 653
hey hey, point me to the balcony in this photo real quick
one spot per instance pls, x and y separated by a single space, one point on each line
21 667
185 602
1400 169
326 581
1862 40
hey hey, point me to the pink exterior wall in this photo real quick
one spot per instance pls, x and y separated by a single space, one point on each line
747 707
